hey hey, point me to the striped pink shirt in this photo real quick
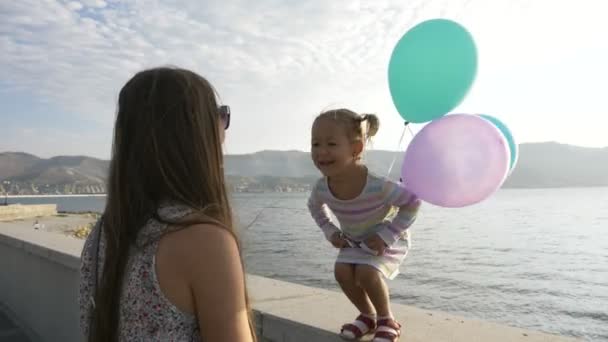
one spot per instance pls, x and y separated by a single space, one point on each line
383 207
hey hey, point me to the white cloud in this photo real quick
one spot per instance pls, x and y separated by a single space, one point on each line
75 5
95 3
281 60
80 60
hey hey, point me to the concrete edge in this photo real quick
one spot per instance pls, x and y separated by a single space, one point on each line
21 326
11 241
268 326
40 249
278 298
275 328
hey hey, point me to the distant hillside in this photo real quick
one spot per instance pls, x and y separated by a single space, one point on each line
270 163
298 164
547 165
15 164
22 173
61 170
541 165
23 167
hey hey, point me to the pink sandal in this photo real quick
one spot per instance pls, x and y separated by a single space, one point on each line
363 325
388 330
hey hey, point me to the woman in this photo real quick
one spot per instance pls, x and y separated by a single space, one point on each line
163 263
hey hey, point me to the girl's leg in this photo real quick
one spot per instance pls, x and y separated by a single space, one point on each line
366 321
345 276
371 281
388 330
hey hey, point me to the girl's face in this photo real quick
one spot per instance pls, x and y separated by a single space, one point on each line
331 150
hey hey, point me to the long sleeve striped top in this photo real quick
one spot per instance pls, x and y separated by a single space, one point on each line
383 207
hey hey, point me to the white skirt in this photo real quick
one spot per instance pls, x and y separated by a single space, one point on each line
388 263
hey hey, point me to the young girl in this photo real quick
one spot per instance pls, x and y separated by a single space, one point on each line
373 213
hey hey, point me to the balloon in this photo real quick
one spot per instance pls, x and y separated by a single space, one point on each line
431 69
513 148
456 161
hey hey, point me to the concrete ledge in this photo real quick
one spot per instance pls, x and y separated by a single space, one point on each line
55 247
39 284
293 312
18 211
11 329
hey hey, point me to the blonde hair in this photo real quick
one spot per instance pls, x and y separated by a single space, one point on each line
359 127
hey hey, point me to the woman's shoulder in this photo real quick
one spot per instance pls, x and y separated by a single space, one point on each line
194 258
212 269
203 239
203 250
199 250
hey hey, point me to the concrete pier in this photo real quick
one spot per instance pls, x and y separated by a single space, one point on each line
39 289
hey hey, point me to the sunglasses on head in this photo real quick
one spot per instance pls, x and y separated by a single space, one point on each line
224 112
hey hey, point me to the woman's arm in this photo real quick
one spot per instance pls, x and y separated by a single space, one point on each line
218 285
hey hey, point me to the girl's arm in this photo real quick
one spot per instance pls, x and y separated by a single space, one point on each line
320 213
407 204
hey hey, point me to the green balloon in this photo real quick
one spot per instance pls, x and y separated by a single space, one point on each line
513 147
432 68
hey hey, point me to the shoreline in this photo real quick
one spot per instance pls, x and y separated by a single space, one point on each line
52 196
3 196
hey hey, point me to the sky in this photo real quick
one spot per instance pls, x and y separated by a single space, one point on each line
278 63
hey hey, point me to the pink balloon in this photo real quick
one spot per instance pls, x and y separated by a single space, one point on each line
456 161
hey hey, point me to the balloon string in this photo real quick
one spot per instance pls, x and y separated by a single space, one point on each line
272 206
405 127
409 128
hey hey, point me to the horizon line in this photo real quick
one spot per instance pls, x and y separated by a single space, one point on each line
295 150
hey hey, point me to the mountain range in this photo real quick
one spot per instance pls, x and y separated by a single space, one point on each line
540 165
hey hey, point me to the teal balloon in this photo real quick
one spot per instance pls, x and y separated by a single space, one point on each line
431 69
513 147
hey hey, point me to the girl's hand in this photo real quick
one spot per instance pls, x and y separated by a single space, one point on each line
376 243
338 241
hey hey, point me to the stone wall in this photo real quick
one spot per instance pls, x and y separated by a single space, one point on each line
39 291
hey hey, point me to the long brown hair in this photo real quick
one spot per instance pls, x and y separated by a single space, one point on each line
167 147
